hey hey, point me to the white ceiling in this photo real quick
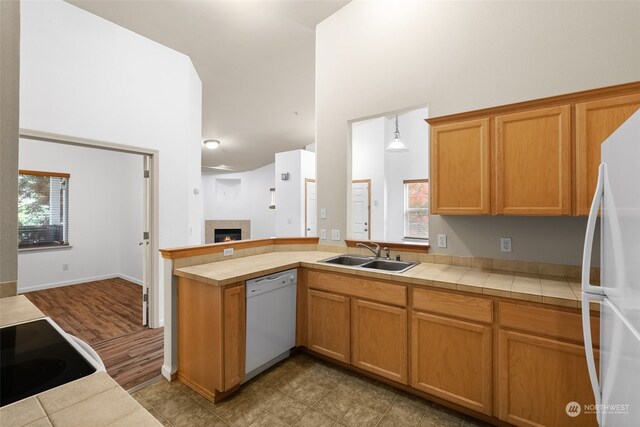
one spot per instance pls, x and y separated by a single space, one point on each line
256 60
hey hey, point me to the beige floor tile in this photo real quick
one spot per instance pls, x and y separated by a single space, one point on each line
360 415
439 416
406 411
376 398
138 418
387 421
268 420
175 405
335 403
141 401
158 392
310 392
267 395
242 414
220 407
162 420
288 409
43 422
314 418
196 416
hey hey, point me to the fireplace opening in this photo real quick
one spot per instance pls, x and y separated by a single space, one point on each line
226 234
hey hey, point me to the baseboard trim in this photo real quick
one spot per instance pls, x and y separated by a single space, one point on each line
22 290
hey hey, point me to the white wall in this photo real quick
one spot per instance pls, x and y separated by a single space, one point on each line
290 201
460 56
252 203
414 164
105 216
367 159
87 77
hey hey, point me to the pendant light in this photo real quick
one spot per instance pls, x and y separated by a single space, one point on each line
397 146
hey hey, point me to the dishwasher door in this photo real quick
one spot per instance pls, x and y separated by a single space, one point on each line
271 320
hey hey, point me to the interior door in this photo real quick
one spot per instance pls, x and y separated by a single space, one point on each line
311 214
145 243
360 217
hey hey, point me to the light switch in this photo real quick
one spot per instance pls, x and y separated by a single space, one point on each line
335 234
323 234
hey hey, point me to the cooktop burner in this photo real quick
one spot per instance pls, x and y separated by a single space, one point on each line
36 357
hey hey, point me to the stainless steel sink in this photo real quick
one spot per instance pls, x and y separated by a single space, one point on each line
351 260
370 262
389 265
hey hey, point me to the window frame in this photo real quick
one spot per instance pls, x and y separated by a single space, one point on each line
64 212
406 209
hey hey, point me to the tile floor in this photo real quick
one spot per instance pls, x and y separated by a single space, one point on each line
301 391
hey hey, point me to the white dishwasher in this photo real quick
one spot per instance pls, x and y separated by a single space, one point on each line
271 320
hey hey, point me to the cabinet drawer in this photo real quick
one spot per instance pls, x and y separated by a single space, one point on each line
456 305
359 287
547 321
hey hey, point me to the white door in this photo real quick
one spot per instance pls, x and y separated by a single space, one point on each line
311 203
361 229
145 243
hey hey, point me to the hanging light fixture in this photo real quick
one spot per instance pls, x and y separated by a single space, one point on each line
211 144
397 146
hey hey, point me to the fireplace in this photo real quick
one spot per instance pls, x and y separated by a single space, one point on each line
226 234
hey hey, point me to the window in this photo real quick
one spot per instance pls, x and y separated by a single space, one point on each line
416 209
43 209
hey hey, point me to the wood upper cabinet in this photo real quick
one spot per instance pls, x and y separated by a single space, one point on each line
460 168
533 162
379 339
211 336
595 122
538 377
328 325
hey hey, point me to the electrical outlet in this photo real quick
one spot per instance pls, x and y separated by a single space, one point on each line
323 234
65 267
505 244
442 240
323 213
335 234
228 252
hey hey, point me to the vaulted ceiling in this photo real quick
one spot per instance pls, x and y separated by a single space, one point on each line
256 61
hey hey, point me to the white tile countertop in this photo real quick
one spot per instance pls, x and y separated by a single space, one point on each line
551 290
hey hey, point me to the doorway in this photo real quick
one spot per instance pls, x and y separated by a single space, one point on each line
361 209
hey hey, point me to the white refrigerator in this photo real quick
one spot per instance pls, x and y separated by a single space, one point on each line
616 385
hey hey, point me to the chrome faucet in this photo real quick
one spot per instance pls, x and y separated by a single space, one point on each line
375 251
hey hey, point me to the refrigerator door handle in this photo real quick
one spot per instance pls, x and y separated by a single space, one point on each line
588 240
588 348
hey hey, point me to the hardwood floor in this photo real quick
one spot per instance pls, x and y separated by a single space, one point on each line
107 314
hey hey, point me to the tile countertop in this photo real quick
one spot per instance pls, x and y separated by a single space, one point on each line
550 290
95 400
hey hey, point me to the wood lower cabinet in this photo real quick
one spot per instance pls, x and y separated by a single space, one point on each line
460 168
538 377
533 162
452 359
379 339
328 325
211 336
595 122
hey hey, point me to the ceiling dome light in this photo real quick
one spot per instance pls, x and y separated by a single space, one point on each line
211 144
397 146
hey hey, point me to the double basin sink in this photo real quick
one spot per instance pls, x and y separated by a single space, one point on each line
370 263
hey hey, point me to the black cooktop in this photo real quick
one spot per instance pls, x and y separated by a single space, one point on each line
35 357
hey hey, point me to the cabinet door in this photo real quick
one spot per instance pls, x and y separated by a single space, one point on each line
460 168
533 162
234 336
328 319
538 378
595 122
379 339
452 359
